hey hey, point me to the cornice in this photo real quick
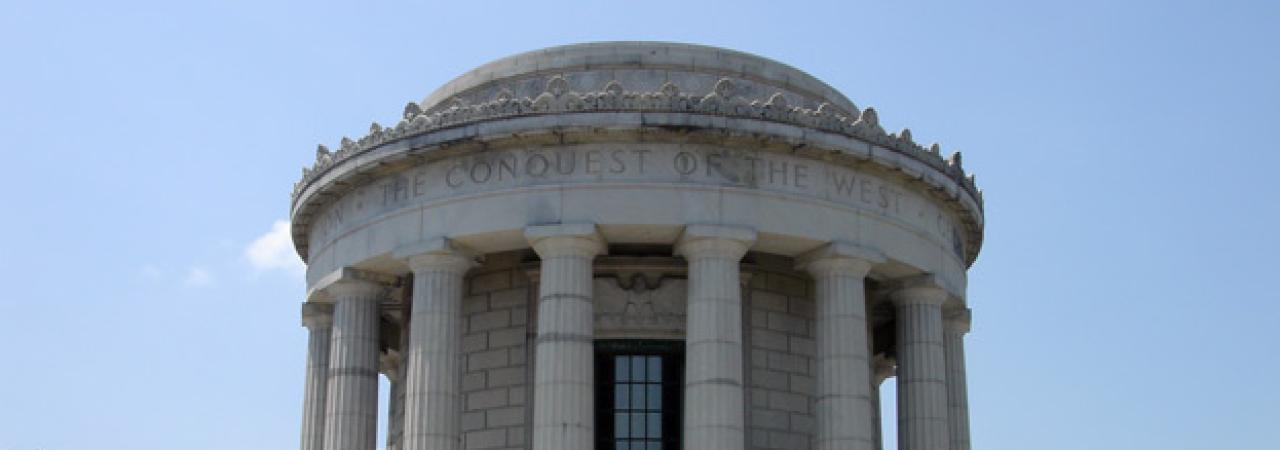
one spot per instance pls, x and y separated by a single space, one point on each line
558 98
723 101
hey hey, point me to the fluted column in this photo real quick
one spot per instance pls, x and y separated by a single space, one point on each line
432 385
393 367
318 318
351 418
954 328
713 410
563 395
395 411
922 377
881 369
842 388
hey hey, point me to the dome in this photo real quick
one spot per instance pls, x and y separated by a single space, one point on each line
641 67
639 94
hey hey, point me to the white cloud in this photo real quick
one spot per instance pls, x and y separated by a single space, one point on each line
198 276
274 251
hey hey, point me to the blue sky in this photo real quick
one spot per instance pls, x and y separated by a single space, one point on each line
1125 298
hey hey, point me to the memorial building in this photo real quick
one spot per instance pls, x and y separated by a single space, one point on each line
640 246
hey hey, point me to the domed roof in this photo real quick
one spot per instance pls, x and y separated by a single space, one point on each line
616 90
638 64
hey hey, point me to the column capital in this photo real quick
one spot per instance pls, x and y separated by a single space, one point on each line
958 321
840 257
921 289
570 239
437 254
317 315
346 279
356 288
729 242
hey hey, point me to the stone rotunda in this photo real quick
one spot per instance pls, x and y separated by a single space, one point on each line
635 246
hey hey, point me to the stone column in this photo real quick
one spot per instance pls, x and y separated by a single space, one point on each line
351 417
395 410
954 328
842 384
393 367
713 409
922 377
881 369
434 357
563 395
318 318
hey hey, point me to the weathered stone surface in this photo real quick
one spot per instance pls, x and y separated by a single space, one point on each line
673 116
549 200
564 398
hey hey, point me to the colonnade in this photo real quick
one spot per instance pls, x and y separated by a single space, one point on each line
340 405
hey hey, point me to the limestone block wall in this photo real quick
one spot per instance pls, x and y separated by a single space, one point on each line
496 347
779 351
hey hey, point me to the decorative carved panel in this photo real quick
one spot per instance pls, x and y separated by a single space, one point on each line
639 306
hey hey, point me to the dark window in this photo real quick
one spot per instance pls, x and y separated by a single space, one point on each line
638 390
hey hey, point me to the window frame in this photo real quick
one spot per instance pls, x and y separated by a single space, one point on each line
672 353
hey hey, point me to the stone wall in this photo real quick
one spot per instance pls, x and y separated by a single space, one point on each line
496 348
779 352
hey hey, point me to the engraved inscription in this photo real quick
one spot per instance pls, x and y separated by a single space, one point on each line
673 164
